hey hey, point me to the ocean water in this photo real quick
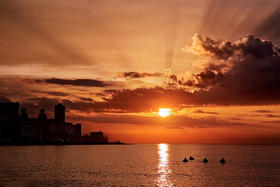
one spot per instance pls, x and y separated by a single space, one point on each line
139 165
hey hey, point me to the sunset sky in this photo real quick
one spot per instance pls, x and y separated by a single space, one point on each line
214 64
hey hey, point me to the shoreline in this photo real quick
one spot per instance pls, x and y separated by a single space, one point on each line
47 144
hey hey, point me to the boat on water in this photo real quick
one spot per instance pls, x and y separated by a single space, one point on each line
185 160
205 160
191 158
222 161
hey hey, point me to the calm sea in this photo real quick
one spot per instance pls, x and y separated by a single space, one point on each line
139 165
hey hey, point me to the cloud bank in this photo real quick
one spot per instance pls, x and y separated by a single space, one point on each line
242 72
75 82
133 75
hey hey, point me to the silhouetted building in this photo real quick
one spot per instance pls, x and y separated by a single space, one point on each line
73 130
9 131
98 134
15 129
24 130
9 111
95 138
59 113
42 115
23 114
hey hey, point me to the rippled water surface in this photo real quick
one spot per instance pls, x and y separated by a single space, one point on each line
139 165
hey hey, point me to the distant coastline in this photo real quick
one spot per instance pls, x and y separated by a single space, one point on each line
58 144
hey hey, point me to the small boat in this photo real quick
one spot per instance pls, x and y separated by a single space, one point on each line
191 158
205 160
222 161
185 160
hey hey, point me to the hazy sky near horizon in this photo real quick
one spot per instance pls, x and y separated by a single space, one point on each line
113 63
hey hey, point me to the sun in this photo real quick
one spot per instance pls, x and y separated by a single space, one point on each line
164 112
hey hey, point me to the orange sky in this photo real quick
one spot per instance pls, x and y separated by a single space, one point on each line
115 63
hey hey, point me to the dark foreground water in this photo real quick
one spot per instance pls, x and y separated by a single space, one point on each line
139 165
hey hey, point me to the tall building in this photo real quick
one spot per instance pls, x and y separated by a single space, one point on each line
23 115
59 113
42 115
9 111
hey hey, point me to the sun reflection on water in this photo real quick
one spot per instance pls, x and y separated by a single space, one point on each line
163 166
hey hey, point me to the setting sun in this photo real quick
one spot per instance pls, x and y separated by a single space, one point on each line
164 112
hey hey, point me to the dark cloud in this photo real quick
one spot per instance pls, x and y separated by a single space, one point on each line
255 68
211 75
75 82
205 79
133 75
272 116
110 90
205 112
242 72
262 111
250 45
222 50
86 99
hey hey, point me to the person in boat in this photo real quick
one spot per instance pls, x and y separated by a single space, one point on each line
205 160
223 161
191 158
185 160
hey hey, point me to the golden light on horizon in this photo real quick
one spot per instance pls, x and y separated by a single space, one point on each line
164 112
